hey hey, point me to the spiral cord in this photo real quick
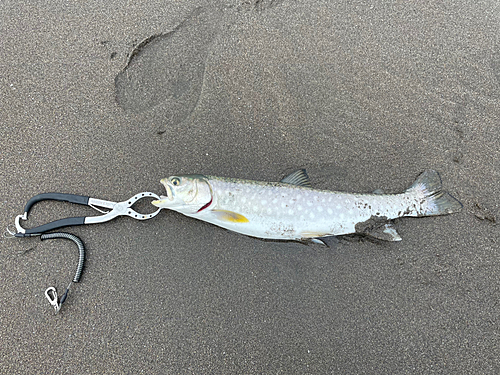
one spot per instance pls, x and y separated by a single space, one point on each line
79 244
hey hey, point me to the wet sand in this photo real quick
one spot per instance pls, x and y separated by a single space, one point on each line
105 100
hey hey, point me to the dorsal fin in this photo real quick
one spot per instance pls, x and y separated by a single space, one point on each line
299 178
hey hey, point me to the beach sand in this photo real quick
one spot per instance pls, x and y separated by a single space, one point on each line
106 98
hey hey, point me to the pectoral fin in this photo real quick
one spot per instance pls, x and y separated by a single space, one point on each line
229 216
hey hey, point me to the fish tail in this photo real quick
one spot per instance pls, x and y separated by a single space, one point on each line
436 200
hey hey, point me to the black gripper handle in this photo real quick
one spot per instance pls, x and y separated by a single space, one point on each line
68 222
72 198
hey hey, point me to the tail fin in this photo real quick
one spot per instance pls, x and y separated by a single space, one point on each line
438 201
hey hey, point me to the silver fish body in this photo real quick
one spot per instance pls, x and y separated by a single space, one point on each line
291 210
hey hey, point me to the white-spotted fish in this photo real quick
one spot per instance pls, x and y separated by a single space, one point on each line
292 210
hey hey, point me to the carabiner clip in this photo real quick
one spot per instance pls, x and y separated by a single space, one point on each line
9 233
51 295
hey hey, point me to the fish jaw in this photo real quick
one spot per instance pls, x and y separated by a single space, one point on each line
161 203
165 200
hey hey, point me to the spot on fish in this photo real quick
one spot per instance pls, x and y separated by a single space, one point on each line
309 203
330 211
283 205
243 199
275 201
299 208
290 212
320 209
311 215
269 211
263 202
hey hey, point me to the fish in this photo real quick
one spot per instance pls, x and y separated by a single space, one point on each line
292 209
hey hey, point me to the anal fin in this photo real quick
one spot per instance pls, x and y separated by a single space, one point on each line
389 233
379 228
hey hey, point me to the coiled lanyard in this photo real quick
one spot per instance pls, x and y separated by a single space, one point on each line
51 292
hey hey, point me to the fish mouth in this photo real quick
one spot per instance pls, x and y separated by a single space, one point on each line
164 199
170 192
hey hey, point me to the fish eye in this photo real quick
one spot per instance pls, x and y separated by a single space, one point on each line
175 181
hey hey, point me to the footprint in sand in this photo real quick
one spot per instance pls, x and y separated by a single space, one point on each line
164 73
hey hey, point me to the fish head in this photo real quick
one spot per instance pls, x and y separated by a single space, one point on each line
187 194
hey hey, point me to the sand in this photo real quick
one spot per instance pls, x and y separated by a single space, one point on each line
106 98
